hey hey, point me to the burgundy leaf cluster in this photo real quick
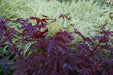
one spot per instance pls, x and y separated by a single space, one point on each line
56 55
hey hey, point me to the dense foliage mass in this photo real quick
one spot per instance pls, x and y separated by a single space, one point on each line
55 55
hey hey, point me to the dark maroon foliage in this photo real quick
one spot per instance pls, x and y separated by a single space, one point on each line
56 55
63 16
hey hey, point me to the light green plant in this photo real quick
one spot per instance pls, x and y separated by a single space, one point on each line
86 16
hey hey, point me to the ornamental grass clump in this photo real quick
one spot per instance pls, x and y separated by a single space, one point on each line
85 14
56 55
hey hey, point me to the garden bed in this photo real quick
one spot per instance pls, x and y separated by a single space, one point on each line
56 38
